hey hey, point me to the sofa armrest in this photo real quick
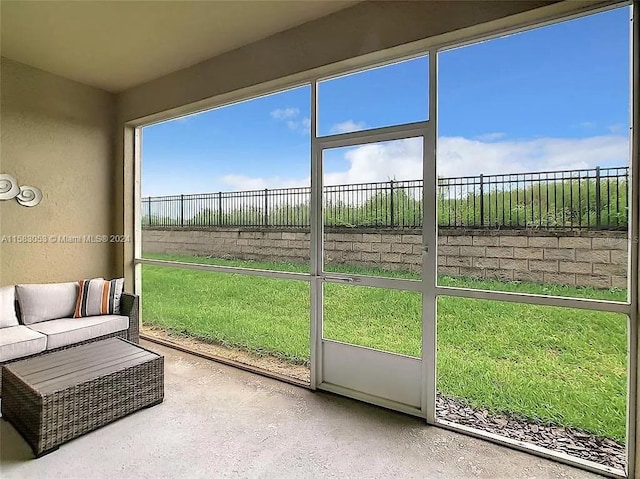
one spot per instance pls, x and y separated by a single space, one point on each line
130 306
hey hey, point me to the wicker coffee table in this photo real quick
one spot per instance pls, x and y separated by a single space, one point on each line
57 397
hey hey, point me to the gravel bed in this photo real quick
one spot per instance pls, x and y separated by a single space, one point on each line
563 439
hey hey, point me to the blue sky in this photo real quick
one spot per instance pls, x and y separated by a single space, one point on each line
551 98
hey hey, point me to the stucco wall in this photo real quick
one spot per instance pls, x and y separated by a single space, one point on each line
597 259
56 135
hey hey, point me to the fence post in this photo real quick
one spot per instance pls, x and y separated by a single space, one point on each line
266 207
598 201
220 208
149 210
391 205
182 211
481 200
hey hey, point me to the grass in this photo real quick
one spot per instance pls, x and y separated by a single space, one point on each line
548 364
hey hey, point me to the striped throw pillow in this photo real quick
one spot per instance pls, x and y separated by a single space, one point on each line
98 296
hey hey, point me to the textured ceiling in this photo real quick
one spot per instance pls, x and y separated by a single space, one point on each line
116 45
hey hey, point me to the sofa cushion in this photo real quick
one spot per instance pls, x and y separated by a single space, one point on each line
42 302
7 307
65 331
20 341
97 296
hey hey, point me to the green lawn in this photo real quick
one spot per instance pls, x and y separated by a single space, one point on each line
550 364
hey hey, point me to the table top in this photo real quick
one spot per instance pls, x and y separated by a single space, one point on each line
62 369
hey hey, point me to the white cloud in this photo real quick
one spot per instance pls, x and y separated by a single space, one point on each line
400 160
348 126
491 136
458 156
285 113
303 126
289 116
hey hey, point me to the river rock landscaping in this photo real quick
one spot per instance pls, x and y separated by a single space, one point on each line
562 439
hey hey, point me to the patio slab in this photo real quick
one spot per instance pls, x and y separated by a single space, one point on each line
218 421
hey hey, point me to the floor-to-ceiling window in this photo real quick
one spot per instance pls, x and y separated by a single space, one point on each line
478 273
227 191
533 207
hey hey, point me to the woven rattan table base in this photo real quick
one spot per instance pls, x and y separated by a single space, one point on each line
60 396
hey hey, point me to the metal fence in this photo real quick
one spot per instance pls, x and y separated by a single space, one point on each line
572 199
576 199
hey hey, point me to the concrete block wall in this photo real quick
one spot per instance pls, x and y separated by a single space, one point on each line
389 250
597 259
287 246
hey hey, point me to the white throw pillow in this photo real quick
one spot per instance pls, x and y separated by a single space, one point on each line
8 316
42 302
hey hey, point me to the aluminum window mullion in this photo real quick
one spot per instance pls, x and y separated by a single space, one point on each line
387 133
374 281
137 207
536 300
316 222
225 269
407 285
634 230
430 247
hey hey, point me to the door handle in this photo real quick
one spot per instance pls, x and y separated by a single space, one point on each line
339 279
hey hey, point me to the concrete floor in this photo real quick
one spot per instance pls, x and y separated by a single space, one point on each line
219 422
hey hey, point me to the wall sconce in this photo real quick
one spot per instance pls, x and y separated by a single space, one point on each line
25 195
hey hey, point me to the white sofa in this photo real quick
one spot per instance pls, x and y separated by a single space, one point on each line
38 318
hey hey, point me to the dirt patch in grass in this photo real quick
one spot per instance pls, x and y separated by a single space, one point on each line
269 363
